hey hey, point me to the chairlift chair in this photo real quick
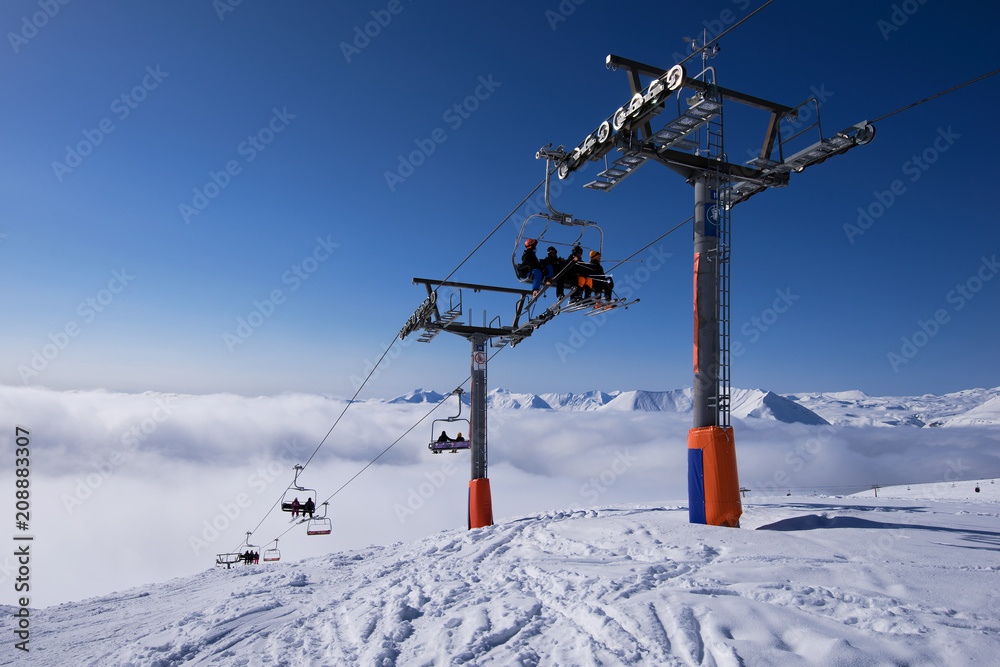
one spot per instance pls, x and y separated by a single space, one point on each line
228 559
548 230
271 555
451 445
295 491
539 226
319 525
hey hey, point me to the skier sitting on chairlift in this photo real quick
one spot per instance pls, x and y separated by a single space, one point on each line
554 264
530 266
444 437
308 507
602 284
581 273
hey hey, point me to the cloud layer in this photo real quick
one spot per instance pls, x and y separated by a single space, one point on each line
143 487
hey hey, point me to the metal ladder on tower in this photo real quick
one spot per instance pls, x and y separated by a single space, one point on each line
716 151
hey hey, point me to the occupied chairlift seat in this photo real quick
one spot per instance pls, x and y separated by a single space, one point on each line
539 227
297 492
451 445
319 525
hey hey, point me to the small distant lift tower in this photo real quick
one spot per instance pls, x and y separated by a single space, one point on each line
713 484
432 320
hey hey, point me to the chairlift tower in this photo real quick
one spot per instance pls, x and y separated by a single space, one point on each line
432 320
691 145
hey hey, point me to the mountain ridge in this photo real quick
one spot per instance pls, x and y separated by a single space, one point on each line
969 407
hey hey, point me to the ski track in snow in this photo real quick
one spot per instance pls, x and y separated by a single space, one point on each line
823 583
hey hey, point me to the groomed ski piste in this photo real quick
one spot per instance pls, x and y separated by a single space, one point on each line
908 578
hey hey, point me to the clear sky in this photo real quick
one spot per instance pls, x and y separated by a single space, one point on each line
234 196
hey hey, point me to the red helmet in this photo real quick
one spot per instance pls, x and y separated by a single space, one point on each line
531 243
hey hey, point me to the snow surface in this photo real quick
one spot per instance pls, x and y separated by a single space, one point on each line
805 581
855 408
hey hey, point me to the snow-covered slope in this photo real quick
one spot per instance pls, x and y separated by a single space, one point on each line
501 399
987 414
768 405
678 400
821 582
855 408
418 396
590 400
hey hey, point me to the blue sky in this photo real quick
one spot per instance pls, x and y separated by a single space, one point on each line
170 169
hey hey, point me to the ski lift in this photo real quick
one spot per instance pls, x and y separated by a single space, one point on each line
547 229
271 555
296 492
245 548
438 446
319 525
228 559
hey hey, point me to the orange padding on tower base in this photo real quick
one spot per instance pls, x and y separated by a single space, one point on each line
480 503
722 484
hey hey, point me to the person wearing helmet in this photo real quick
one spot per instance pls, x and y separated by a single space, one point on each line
534 268
602 284
581 273
554 263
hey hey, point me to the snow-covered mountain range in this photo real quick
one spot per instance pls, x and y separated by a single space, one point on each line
972 407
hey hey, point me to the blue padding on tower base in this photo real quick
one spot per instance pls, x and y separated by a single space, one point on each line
696 486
